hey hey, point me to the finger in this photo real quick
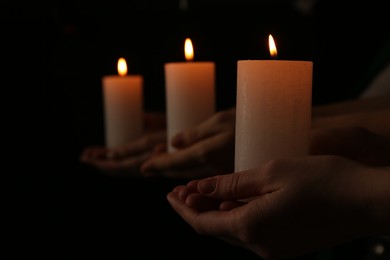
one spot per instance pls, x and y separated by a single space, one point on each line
214 222
194 156
236 186
127 167
199 160
188 189
204 130
201 203
134 161
91 153
229 205
145 143
178 160
184 191
342 141
159 149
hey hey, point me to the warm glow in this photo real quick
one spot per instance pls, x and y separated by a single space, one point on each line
122 67
188 50
272 47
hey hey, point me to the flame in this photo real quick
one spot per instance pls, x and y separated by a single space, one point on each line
122 67
188 50
272 47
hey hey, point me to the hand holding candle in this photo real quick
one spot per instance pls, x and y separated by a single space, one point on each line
190 92
273 110
123 106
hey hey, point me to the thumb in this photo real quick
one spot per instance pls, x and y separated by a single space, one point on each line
234 186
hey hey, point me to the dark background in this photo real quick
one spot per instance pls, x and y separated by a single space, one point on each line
55 54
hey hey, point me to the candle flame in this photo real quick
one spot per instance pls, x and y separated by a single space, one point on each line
272 47
122 67
188 50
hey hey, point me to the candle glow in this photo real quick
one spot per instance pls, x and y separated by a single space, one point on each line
123 106
273 109
272 47
188 50
190 92
122 67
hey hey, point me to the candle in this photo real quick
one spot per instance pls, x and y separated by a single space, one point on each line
123 106
190 92
273 109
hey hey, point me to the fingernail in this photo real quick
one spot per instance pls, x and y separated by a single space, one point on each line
207 186
193 183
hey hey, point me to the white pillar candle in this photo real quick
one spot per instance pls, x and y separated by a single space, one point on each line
273 110
123 106
190 93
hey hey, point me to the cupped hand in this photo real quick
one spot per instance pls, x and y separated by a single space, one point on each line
124 160
205 150
353 142
287 207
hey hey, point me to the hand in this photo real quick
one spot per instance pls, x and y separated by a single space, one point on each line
124 160
205 150
355 143
289 207
127 159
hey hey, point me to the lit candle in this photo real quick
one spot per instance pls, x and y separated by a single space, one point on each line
123 106
190 92
273 109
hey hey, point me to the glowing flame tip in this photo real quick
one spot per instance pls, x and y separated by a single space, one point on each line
122 67
188 50
272 47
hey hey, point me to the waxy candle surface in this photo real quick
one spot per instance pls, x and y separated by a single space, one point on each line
190 90
190 95
273 111
123 108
